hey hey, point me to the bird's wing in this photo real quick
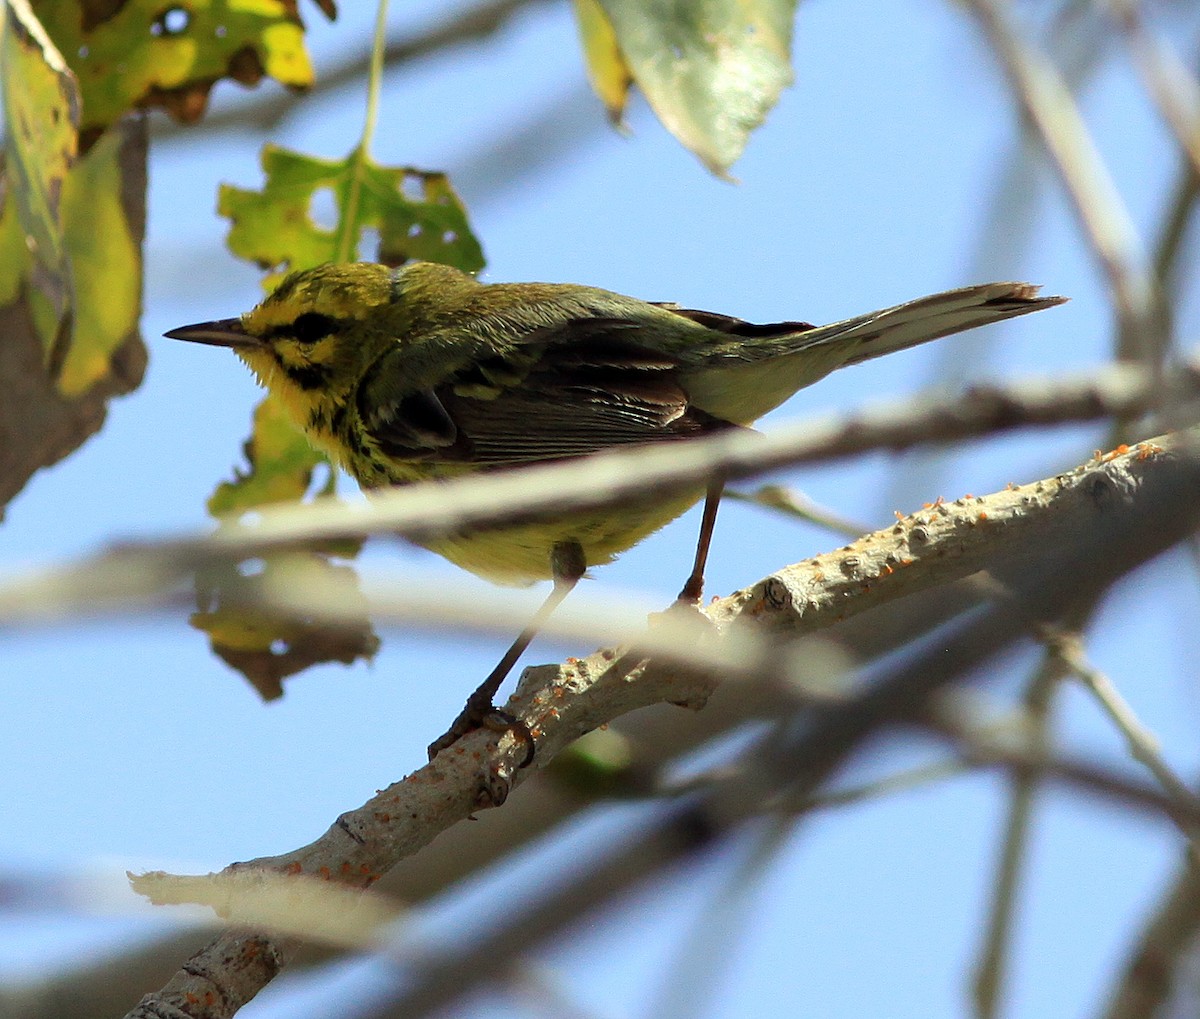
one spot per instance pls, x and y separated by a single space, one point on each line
735 326
565 390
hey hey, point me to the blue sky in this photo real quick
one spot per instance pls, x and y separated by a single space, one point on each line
126 745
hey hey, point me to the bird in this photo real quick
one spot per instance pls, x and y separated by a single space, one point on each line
423 372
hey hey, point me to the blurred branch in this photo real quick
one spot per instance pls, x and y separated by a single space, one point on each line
267 111
1167 941
991 966
1107 224
1121 511
1166 78
796 504
1143 746
137 572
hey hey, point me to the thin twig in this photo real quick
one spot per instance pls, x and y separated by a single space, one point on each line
991 968
1143 745
139 571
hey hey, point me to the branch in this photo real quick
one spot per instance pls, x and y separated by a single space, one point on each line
1046 100
1103 519
137 572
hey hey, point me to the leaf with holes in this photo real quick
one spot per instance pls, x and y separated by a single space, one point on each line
266 646
281 465
710 69
143 53
416 214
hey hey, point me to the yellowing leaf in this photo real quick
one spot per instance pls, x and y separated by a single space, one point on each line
152 53
267 647
607 71
41 114
106 266
416 214
281 465
711 69
70 263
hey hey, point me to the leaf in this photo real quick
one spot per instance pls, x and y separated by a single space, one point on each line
416 213
710 69
41 115
70 259
607 71
104 248
267 647
281 465
143 53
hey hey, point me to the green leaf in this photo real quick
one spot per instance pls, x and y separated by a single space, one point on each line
417 214
142 53
711 69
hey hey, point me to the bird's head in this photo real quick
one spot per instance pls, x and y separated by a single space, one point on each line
314 335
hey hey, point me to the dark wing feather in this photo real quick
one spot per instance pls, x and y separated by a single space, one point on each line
736 326
588 386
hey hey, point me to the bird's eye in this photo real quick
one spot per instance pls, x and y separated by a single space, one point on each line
313 326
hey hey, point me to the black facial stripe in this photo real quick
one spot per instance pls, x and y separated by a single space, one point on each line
308 376
308 328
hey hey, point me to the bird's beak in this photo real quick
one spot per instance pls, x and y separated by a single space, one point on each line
225 332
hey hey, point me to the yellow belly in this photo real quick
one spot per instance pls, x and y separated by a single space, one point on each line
521 554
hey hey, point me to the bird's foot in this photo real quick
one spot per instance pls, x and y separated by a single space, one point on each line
482 714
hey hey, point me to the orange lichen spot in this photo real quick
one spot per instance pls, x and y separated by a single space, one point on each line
898 514
1121 450
293 868
346 867
210 998
325 872
572 660
559 692
382 818
906 562
251 951
982 515
1148 449
364 869
192 999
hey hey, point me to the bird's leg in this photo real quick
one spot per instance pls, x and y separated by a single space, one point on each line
567 565
694 587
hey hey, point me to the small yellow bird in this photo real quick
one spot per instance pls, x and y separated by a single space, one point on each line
423 372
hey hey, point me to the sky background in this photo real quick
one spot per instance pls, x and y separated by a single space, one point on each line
126 745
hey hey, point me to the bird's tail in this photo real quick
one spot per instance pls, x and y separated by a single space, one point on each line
926 318
758 376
